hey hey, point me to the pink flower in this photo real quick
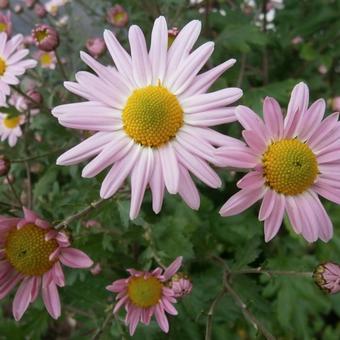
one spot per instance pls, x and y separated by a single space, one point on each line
297 40
327 277
145 294
117 16
96 46
31 253
12 63
46 38
96 269
153 116
10 128
290 161
6 23
336 104
181 285
40 10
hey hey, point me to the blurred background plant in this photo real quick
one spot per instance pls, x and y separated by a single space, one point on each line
242 287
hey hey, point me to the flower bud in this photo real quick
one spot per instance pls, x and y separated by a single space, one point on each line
46 38
18 9
36 98
96 46
96 269
40 11
181 285
327 277
4 4
336 104
5 165
117 16
172 34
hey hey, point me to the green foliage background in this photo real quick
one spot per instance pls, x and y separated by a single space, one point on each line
291 307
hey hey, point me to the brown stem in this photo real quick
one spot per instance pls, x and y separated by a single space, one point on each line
22 160
81 213
271 272
16 196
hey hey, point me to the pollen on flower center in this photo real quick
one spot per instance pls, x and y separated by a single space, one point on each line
152 116
3 27
2 67
144 292
27 250
46 59
41 35
11 123
290 166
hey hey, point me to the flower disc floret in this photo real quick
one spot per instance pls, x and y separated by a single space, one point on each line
145 292
290 166
27 250
152 116
12 122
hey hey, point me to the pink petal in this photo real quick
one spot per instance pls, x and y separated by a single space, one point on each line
211 117
241 201
252 180
58 275
273 118
51 299
257 144
22 298
188 190
139 179
236 157
173 268
134 319
297 106
273 222
30 216
328 192
267 204
75 258
161 319
157 184
170 167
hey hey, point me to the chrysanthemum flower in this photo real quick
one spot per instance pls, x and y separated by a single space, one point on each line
145 294
327 277
10 128
22 105
31 252
290 162
152 114
46 38
11 63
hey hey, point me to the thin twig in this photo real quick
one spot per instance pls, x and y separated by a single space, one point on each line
101 329
149 238
81 213
246 312
271 272
242 69
208 329
41 105
22 160
16 196
27 165
61 66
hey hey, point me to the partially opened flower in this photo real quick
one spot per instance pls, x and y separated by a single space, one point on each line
31 253
21 104
10 128
46 38
96 46
145 294
290 162
12 64
152 116
117 16
327 277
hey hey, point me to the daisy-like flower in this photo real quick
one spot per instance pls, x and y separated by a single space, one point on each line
152 116
46 59
12 64
327 277
145 294
10 128
290 162
31 253
21 104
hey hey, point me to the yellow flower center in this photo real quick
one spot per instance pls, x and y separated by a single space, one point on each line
152 116
118 17
27 250
143 292
290 166
3 67
11 123
45 59
3 27
41 35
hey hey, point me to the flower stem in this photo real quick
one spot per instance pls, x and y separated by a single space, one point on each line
17 198
61 66
81 213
